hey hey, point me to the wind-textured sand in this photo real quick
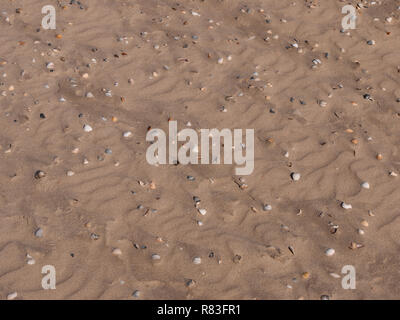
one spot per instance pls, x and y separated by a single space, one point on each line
100 224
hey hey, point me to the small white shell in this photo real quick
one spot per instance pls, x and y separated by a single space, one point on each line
12 296
127 134
323 103
365 185
346 206
197 260
117 252
202 211
330 252
70 173
295 176
87 128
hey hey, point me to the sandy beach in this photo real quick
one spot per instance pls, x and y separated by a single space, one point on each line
77 192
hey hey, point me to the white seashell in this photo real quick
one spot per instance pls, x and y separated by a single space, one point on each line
136 293
365 185
323 103
12 296
127 134
330 252
87 128
197 260
117 252
50 65
295 176
346 206
220 60
361 231
39 233
202 211
89 95
70 173
335 275
267 207
156 257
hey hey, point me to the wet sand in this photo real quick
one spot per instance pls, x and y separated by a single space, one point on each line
322 103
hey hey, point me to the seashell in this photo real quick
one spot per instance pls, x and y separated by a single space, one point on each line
136 293
364 223
87 128
323 103
197 260
117 252
365 185
155 257
39 233
39 174
346 206
12 296
295 176
127 134
330 252
267 207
